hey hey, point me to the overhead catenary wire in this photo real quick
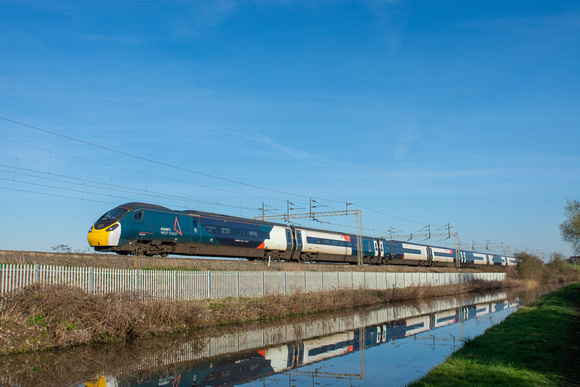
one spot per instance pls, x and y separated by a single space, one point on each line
176 167
146 174
149 160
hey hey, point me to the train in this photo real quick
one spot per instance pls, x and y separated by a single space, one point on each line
149 229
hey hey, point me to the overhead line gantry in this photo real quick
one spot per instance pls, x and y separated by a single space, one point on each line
313 215
429 235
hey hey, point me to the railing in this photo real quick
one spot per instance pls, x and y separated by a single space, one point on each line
190 285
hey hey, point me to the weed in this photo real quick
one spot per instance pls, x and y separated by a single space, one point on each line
37 320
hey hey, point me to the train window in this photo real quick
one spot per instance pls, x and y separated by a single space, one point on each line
265 235
138 215
239 231
226 230
194 223
335 243
210 228
253 234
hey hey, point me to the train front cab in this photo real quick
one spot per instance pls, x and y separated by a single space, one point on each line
145 229
105 233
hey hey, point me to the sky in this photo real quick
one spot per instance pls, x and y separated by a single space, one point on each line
421 114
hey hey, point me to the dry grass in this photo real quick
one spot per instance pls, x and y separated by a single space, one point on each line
52 316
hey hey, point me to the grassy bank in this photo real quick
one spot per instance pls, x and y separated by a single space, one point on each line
537 345
53 316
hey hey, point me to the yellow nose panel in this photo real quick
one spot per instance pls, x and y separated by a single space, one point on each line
98 237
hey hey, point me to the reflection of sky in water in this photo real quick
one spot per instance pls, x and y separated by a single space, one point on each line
394 363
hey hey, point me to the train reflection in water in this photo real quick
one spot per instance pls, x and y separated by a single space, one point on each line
247 366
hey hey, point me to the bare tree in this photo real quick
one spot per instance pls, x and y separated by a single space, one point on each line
62 249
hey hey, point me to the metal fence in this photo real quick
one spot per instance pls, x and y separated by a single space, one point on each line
188 285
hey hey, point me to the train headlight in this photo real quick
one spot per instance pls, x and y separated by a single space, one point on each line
113 227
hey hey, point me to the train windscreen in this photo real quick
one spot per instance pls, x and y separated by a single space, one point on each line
110 217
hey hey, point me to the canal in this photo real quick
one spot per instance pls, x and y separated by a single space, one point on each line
390 345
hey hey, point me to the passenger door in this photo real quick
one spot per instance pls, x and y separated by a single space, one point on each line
195 229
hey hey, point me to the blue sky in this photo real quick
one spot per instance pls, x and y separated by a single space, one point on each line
420 113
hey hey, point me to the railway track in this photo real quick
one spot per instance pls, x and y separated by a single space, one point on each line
200 263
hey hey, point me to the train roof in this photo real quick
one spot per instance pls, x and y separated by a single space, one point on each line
138 205
135 205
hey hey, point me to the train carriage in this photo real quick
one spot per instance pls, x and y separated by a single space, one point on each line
443 256
496 260
444 318
404 253
325 246
471 258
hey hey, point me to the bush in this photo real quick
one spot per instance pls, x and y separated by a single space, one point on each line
532 268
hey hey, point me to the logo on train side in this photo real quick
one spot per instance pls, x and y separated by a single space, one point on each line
176 229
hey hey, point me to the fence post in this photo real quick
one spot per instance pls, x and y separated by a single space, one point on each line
175 287
285 283
209 284
305 281
322 280
263 284
238 280
37 273
92 280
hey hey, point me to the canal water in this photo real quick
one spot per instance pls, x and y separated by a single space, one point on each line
386 346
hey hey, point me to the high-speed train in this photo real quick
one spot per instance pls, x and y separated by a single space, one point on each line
148 229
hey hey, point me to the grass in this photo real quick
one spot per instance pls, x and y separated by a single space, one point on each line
42 317
539 345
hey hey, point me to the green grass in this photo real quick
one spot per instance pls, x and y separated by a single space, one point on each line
536 346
